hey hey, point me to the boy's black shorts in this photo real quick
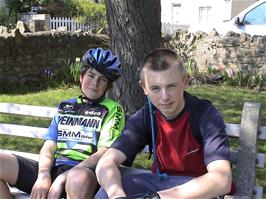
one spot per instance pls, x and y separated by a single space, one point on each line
28 173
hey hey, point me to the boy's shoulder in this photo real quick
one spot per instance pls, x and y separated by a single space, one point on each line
196 103
110 103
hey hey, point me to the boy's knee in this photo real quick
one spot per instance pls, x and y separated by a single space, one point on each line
81 183
81 177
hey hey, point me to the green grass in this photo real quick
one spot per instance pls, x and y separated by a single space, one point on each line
230 103
228 100
50 97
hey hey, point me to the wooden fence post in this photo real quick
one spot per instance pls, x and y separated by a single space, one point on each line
250 123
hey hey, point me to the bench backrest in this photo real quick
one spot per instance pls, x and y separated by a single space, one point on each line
245 158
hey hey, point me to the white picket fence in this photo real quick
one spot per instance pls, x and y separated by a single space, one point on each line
70 23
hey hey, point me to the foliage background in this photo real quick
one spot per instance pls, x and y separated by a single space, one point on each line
87 11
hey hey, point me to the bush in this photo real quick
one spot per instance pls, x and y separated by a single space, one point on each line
91 13
5 20
75 69
65 76
212 76
60 8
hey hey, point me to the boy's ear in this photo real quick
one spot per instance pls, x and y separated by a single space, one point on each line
186 81
142 85
80 79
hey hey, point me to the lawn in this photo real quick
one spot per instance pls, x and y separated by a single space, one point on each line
228 100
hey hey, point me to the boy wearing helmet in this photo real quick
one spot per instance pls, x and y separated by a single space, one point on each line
78 136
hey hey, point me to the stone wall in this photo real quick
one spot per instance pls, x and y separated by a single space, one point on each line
233 52
24 57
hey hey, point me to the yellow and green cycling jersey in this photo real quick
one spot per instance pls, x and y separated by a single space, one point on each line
80 127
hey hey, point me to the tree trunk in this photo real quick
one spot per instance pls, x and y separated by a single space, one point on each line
134 30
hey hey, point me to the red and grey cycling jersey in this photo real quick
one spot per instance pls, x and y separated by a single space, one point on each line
185 145
79 128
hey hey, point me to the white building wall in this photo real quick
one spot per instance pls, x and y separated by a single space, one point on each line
189 12
221 9
166 10
207 13
201 14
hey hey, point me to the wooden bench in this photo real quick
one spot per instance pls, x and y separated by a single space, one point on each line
245 159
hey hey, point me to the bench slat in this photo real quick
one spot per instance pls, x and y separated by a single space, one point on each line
260 161
258 192
233 130
39 132
28 110
246 180
260 158
262 133
17 194
24 131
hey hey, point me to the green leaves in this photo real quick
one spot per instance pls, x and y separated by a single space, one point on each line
91 13
75 69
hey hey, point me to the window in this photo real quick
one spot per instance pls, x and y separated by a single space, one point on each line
257 16
175 13
204 14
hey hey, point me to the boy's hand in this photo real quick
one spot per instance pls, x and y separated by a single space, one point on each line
58 186
41 187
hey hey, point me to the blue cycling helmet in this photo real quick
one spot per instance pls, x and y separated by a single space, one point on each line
103 61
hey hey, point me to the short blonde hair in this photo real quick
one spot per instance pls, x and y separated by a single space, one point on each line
161 59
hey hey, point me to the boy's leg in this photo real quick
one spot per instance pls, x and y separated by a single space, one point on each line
8 173
27 174
5 193
143 183
55 172
81 183
146 182
10 167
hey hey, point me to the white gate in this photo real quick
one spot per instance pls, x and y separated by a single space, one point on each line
70 23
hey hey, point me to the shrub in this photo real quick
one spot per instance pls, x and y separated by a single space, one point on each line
5 20
213 76
75 69
91 13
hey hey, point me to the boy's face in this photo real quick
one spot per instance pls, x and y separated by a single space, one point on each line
93 84
165 89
